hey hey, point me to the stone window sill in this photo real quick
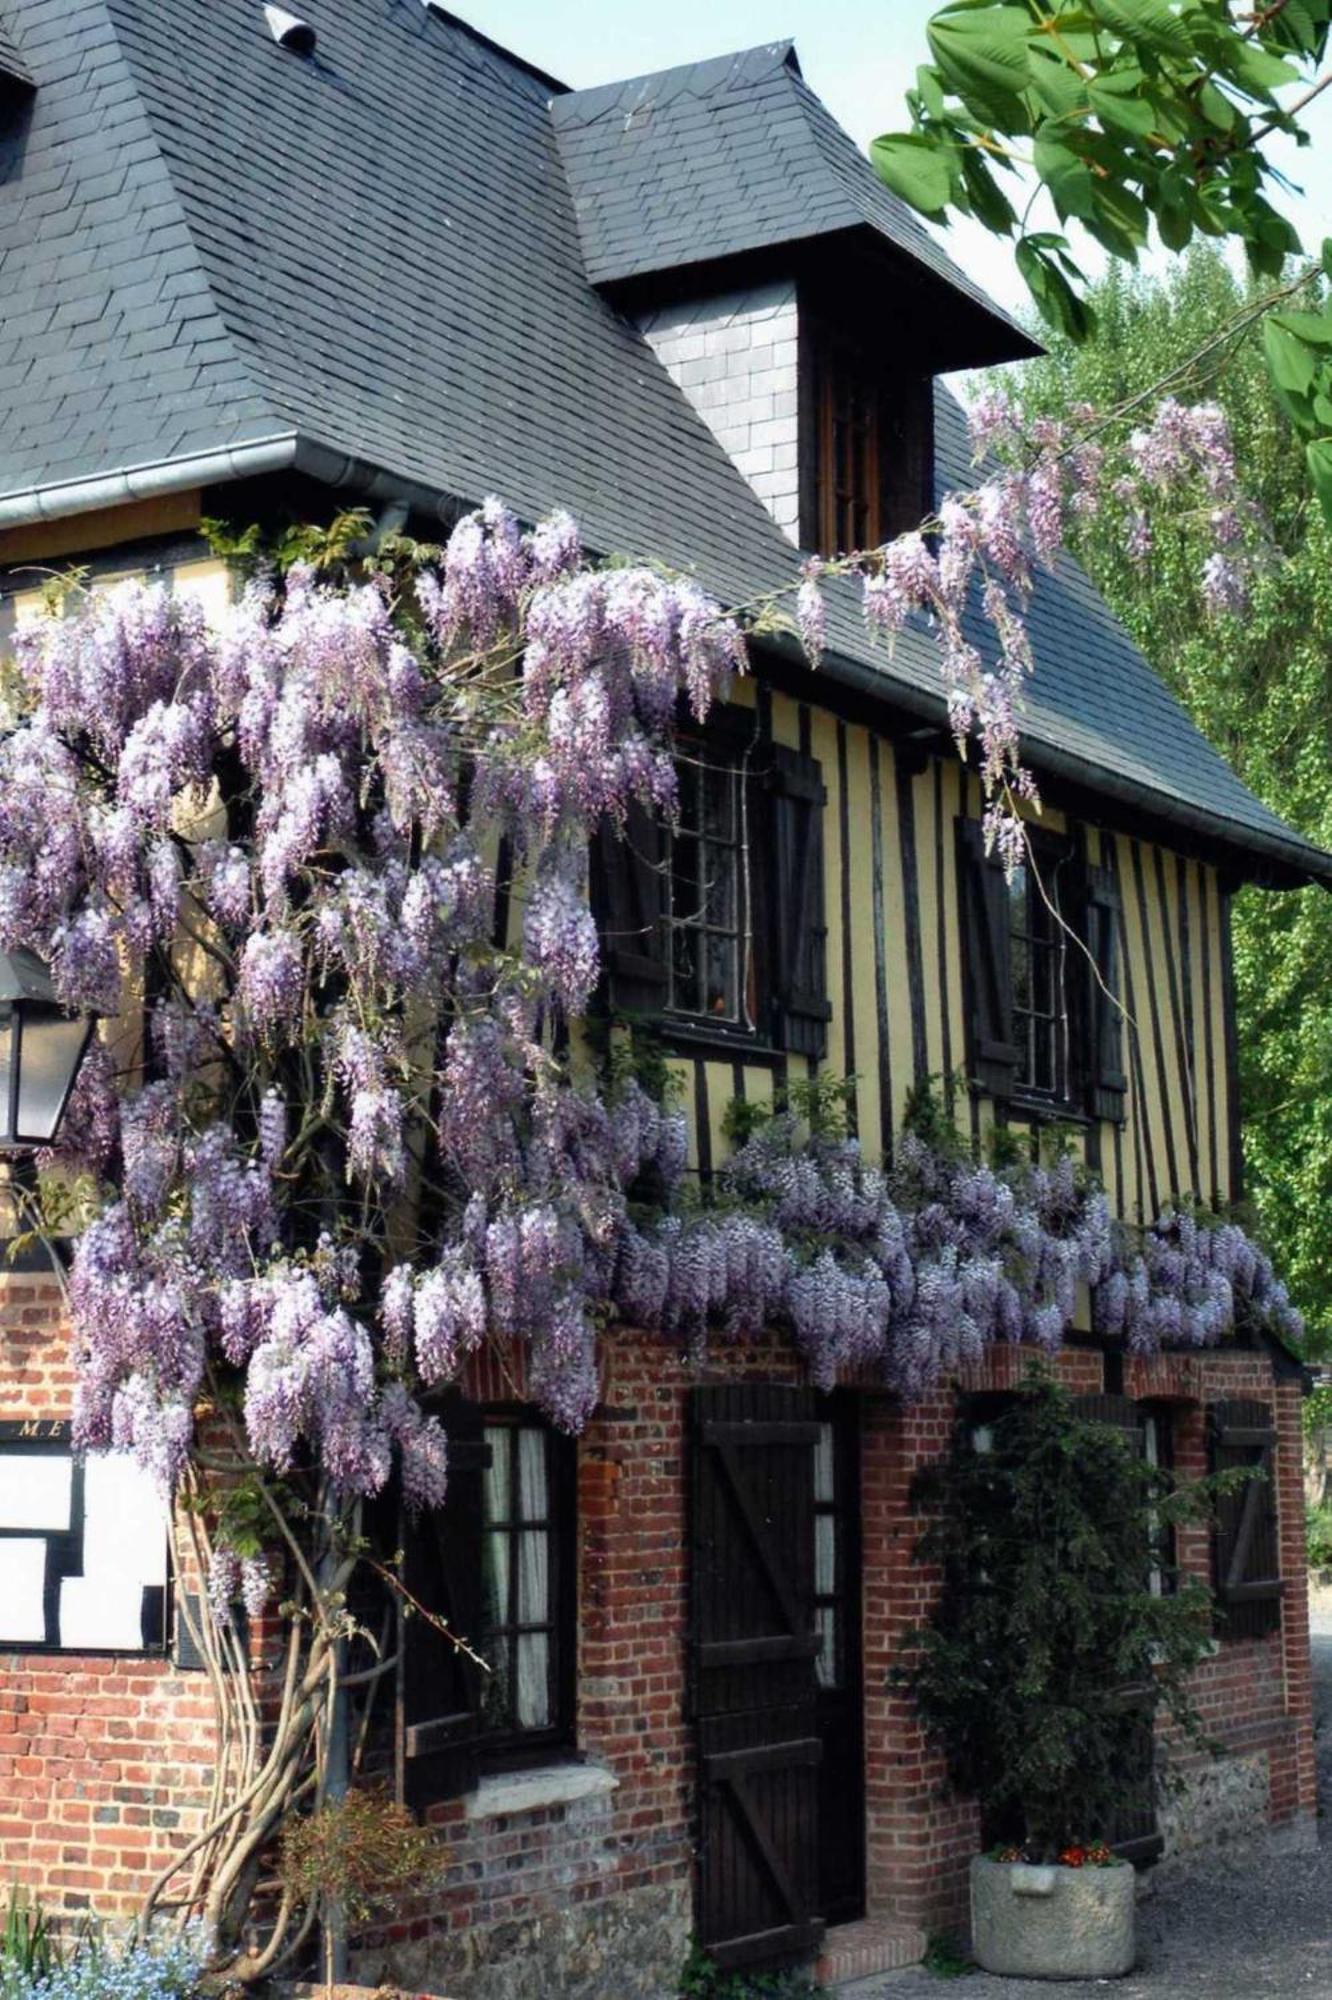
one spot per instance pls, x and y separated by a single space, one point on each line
506 1792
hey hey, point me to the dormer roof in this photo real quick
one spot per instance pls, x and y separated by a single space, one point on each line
723 159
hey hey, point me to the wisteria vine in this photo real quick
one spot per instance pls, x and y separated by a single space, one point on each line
358 1145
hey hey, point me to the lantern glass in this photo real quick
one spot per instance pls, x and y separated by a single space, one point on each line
50 1050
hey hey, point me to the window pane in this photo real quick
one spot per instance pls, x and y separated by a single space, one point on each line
496 1579
533 1708
720 887
22 1581
497 1689
533 1494
533 1577
825 1555
6 1064
48 1058
498 1439
35 1489
721 977
1017 897
823 1464
719 805
1021 974
124 1555
826 1662
686 898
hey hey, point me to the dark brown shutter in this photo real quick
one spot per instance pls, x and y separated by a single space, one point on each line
993 1055
441 1692
629 889
1103 1054
800 1006
1246 1551
753 1683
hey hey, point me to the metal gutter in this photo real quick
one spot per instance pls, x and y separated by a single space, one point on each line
145 482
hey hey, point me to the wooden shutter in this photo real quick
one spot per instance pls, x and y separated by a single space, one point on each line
630 896
440 1692
1135 1833
1103 1052
993 1055
1246 1551
800 1006
753 1683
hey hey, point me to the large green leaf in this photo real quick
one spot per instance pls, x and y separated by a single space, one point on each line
1059 89
1067 177
1118 102
989 203
1151 22
1056 301
983 55
916 167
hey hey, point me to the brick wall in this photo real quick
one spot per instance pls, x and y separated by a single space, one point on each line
734 356
102 1762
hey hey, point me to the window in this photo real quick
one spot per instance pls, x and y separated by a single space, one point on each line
867 440
524 1560
713 927
498 1565
827 1597
710 962
1246 1548
83 1547
1039 1005
1158 1451
1044 1021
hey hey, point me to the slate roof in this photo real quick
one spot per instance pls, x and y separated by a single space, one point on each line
12 65
736 154
217 257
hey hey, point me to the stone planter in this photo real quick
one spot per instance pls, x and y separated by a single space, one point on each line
1032 1922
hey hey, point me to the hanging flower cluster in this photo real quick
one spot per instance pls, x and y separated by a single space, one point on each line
966 577
1190 1284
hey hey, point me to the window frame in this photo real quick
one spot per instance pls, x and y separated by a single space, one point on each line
52 1437
731 739
892 488
512 1746
1053 856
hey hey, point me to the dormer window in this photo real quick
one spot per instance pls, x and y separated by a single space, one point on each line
866 443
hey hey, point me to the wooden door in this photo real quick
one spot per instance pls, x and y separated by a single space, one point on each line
838 1670
754 1691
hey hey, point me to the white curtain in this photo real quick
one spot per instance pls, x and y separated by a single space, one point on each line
533 1709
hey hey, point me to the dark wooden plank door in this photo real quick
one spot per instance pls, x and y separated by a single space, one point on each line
837 1612
755 1693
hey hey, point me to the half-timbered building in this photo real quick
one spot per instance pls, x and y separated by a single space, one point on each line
252 274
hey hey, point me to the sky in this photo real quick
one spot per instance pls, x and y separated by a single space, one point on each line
859 55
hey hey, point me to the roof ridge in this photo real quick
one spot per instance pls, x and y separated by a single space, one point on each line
488 42
738 68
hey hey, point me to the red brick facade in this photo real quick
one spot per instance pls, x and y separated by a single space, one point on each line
104 1761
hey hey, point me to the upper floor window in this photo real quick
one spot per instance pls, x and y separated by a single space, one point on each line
83 1547
1040 961
1037 941
711 964
527 1567
713 924
866 444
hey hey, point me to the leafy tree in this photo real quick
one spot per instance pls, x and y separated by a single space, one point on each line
1048 1650
1259 685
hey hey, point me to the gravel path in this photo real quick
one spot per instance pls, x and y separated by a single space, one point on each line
1234 1931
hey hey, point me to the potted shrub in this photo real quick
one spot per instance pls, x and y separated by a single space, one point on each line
1048 1655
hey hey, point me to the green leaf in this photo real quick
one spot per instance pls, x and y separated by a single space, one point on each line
1148 21
1117 100
1318 456
1067 177
1315 328
1059 89
1056 301
915 167
989 203
984 56
930 87
1325 254
1174 226
1217 108
1258 71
